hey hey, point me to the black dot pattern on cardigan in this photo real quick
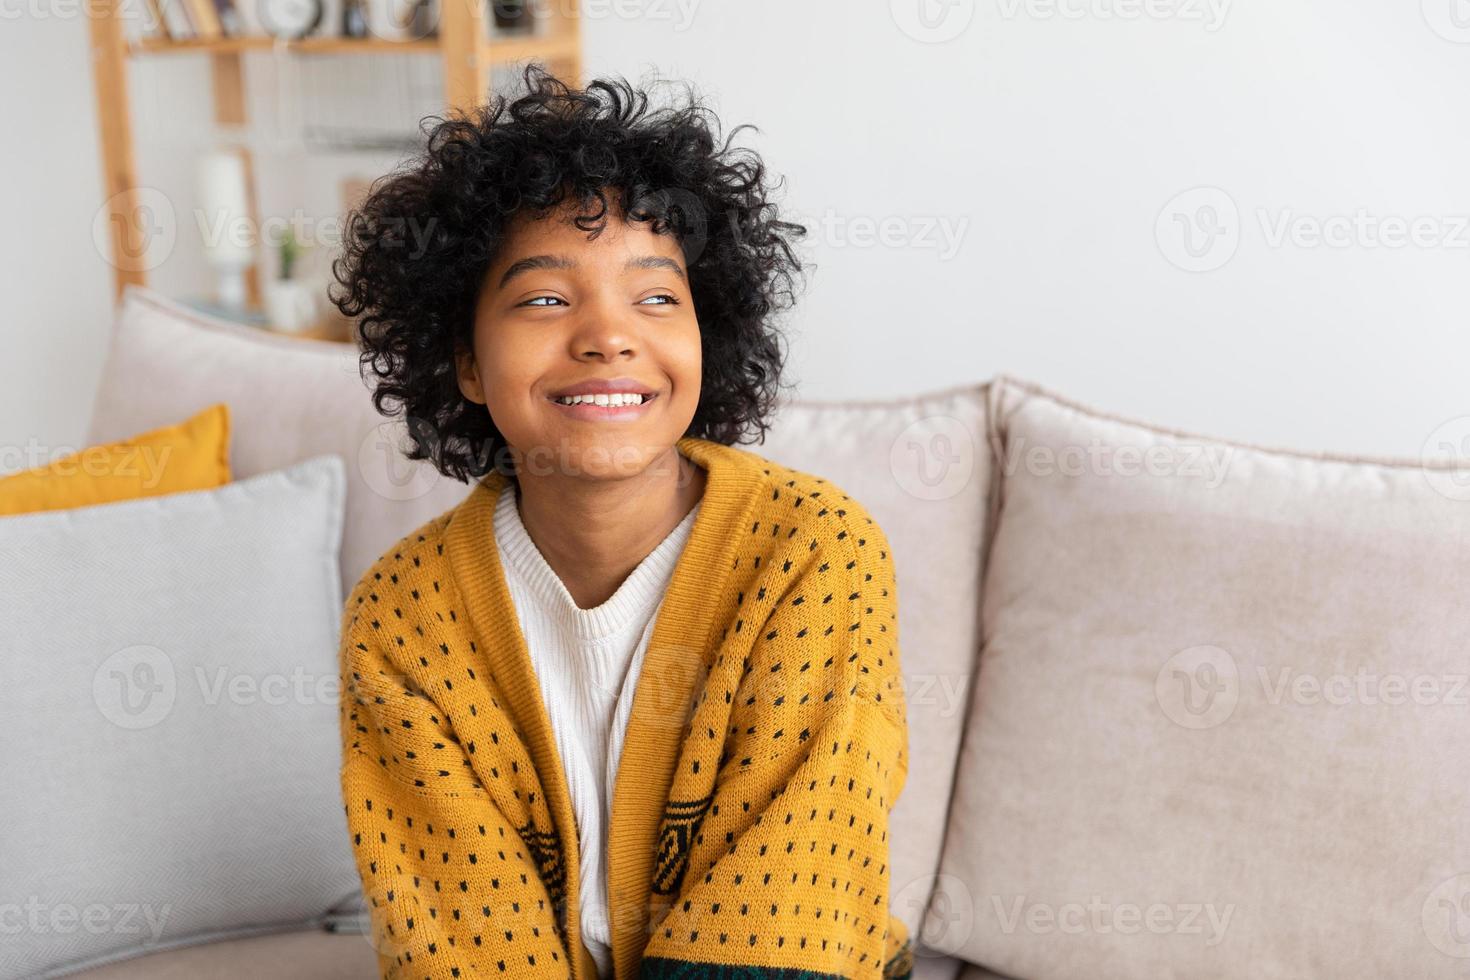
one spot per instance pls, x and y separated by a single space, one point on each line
423 821
795 753
772 855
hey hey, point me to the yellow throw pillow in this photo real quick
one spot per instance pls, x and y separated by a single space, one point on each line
193 455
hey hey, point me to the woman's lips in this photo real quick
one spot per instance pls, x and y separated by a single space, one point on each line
588 412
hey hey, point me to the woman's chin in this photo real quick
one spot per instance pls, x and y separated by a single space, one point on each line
595 455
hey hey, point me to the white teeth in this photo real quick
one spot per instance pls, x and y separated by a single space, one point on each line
605 400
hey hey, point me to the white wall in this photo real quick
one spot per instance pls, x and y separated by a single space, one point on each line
1051 139
55 288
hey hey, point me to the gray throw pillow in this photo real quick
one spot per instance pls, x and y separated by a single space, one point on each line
170 694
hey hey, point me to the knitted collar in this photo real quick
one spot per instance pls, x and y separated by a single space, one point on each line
683 639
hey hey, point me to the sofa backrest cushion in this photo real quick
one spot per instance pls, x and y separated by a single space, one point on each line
1219 719
289 399
921 467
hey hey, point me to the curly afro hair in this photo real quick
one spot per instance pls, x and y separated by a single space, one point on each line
417 249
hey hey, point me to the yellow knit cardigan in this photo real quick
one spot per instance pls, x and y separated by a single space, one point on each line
767 744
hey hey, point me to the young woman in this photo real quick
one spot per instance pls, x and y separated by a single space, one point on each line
633 708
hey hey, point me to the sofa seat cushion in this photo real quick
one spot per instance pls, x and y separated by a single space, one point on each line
301 954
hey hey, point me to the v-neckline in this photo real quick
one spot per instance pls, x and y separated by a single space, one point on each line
636 595
675 660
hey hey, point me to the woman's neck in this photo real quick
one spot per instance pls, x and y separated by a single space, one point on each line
593 533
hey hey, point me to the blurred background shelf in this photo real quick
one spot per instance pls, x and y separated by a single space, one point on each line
305 45
464 35
494 52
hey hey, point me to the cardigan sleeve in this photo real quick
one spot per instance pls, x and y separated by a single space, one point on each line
450 888
788 869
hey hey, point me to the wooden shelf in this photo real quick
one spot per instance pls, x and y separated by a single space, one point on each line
505 51
497 51
466 44
306 45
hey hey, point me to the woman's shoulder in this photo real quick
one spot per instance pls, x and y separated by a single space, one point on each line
809 503
829 579
419 550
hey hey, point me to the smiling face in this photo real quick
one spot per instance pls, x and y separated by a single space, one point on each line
557 310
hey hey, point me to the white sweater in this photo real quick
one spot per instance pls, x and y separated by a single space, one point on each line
587 663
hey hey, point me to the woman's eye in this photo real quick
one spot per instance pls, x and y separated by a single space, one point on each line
669 300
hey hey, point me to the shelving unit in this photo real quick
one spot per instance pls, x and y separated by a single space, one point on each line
463 42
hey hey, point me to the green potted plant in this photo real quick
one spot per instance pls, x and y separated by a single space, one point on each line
291 302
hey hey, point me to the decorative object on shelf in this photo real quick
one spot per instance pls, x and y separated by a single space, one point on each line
331 25
424 21
229 238
291 302
176 20
290 19
354 19
462 58
229 17
247 13
250 318
512 16
205 18
391 20
156 25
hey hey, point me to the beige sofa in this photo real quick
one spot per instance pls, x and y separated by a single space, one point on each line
1179 707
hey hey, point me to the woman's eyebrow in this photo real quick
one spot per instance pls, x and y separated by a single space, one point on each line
563 262
654 262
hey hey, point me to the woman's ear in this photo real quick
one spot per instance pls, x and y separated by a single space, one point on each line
468 376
